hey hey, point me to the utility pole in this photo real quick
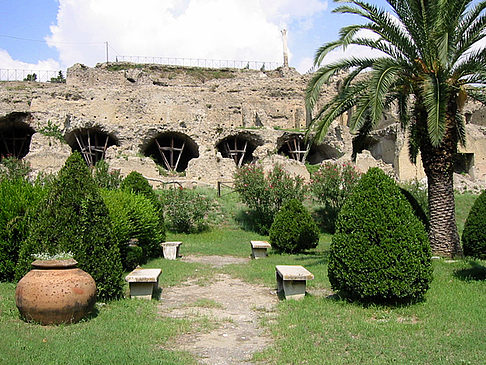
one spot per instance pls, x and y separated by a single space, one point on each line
106 43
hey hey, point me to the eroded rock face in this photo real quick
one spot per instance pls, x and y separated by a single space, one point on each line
219 118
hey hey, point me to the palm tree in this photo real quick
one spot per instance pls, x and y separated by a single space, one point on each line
430 63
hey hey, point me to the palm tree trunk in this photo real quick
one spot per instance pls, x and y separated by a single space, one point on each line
439 168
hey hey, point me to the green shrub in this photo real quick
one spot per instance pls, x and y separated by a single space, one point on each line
474 234
380 251
18 197
12 168
330 185
265 194
136 183
134 216
293 229
185 210
73 218
104 178
133 257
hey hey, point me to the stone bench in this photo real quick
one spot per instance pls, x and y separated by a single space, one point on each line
143 282
171 250
259 249
291 280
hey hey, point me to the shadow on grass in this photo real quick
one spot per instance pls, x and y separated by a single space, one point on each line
341 296
249 221
313 258
477 272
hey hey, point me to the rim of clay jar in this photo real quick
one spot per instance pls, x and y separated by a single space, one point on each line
54 264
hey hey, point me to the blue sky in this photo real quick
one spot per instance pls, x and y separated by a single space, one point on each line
55 34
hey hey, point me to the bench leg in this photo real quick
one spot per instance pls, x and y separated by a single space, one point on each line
142 290
258 253
294 289
279 284
170 252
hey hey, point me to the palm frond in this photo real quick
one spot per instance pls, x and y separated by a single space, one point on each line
435 101
322 76
460 124
338 105
384 76
383 25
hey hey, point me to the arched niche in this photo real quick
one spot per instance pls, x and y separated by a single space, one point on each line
172 150
92 143
293 146
322 152
15 135
239 148
380 147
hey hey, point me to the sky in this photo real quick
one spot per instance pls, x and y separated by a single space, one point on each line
55 34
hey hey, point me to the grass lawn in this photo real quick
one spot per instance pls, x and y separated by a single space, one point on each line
448 327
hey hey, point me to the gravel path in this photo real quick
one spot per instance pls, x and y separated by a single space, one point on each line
235 306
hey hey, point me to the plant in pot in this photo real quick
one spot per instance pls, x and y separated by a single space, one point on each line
55 291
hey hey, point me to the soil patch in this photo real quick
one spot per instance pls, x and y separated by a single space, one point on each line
235 306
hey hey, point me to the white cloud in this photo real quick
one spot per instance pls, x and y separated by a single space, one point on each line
305 65
211 29
11 69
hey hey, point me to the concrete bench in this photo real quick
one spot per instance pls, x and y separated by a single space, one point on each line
259 249
291 280
171 250
143 282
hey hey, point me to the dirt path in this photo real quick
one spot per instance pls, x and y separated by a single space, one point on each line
235 306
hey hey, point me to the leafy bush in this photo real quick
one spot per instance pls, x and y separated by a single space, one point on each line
12 168
134 216
136 183
186 210
331 185
474 234
133 257
104 178
293 229
73 217
265 194
380 251
18 197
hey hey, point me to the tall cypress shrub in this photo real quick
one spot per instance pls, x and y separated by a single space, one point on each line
380 251
73 218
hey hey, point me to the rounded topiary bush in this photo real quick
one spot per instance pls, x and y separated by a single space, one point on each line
293 229
474 234
380 251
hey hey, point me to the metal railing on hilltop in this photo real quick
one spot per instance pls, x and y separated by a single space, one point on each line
51 75
200 62
28 75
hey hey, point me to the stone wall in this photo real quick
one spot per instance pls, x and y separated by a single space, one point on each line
127 107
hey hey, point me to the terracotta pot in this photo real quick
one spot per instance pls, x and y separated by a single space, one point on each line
54 292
